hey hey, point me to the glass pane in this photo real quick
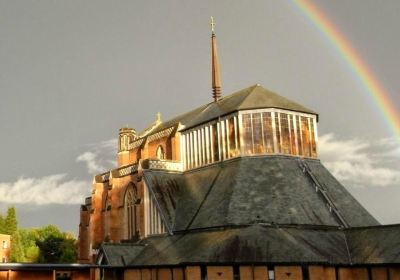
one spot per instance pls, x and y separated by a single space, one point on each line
195 149
299 140
292 135
313 143
237 135
247 135
232 141
203 143
187 150
191 149
215 142
208 145
257 134
285 134
226 132
200 148
278 133
268 134
306 137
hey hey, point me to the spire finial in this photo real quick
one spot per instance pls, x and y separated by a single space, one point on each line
216 79
212 25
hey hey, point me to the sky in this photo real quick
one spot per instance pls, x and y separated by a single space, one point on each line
73 72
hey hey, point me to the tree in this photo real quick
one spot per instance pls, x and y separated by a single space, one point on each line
55 246
10 223
2 224
48 231
28 240
50 249
69 254
17 250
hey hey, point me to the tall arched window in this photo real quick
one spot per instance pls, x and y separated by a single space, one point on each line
160 152
131 202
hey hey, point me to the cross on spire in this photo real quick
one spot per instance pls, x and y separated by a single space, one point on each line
212 25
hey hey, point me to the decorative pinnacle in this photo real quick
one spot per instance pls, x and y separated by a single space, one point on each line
158 117
212 25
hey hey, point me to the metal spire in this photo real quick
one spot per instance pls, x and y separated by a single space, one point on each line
216 78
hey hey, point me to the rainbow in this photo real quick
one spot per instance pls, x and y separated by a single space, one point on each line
357 65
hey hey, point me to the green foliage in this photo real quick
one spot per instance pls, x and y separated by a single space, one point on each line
2 222
48 245
49 231
69 254
31 254
28 240
43 245
56 249
50 249
17 250
10 223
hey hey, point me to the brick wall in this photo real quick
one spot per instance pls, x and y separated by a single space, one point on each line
84 231
258 272
255 272
5 243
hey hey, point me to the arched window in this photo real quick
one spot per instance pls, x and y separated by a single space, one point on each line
160 152
131 202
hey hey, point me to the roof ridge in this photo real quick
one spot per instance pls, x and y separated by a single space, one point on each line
251 90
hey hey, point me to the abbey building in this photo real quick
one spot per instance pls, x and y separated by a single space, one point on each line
232 189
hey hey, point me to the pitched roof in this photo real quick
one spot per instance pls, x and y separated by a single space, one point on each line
241 191
265 244
257 210
119 254
374 245
252 244
253 97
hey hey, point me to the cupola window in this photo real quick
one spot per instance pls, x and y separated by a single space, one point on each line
251 132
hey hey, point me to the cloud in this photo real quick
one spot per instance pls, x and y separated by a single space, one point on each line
61 188
99 157
362 163
92 164
53 189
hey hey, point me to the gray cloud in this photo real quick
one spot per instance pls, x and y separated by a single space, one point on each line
100 156
53 189
360 162
90 158
60 188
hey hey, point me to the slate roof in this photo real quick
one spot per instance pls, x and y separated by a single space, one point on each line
267 244
374 245
120 254
253 210
242 191
254 97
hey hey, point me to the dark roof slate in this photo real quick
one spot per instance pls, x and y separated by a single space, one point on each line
351 210
259 243
251 244
166 189
253 97
374 245
120 254
241 191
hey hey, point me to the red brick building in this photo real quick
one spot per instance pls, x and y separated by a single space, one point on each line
233 189
5 242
